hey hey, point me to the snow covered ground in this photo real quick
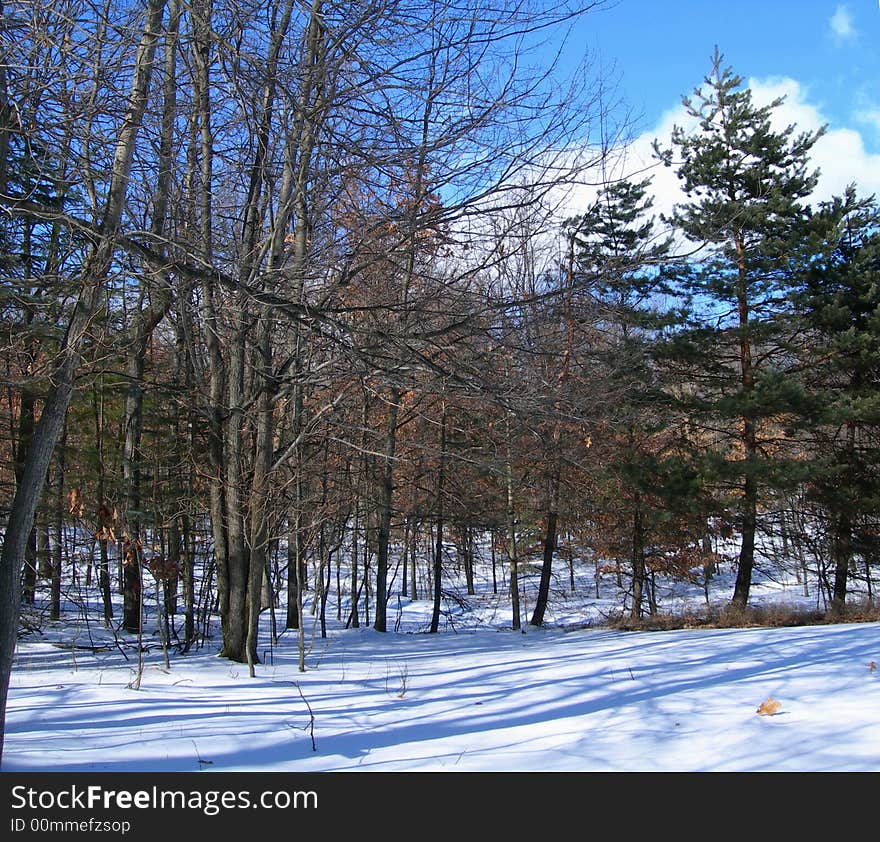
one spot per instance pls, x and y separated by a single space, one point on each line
476 697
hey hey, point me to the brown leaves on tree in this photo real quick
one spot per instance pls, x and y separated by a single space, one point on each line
75 504
104 533
107 514
107 517
769 707
131 551
163 569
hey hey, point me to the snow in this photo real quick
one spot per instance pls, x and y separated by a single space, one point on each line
475 697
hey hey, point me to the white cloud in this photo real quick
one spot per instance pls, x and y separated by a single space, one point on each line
840 154
870 116
841 24
636 162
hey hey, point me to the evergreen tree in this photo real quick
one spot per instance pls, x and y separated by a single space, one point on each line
746 185
646 486
839 350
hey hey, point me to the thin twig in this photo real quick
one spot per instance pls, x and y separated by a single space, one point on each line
311 715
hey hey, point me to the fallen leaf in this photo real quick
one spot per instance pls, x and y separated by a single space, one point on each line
769 706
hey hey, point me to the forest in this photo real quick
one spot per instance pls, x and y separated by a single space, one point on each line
293 299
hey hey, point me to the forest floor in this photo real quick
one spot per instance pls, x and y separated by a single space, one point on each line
575 695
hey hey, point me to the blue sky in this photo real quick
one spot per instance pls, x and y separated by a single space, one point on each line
660 50
823 56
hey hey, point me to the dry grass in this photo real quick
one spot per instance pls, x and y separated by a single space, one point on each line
736 617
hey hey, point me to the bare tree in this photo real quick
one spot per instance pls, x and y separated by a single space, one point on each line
50 425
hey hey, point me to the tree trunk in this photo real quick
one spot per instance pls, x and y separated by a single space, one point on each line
58 518
637 556
44 563
843 531
6 125
145 321
407 537
438 546
385 515
749 506
842 549
413 571
200 180
550 538
467 556
26 424
494 562
189 586
235 620
104 518
353 617
747 550
511 541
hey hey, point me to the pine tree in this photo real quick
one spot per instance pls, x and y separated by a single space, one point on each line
620 259
839 350
746 185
